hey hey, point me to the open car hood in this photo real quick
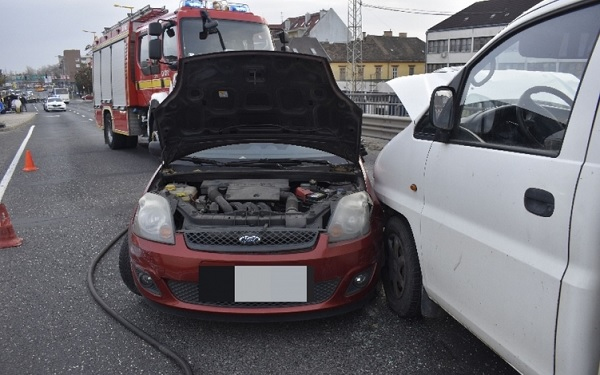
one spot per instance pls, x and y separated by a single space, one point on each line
257 96
415 91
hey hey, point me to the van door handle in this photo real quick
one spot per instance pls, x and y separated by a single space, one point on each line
539 202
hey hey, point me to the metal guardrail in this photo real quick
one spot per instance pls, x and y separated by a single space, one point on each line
383 127
378 103
384 115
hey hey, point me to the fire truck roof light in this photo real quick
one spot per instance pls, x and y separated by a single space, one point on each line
216 5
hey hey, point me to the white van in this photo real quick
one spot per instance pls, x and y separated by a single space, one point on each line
493 193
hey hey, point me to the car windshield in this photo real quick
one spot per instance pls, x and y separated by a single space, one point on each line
266 152
237 36
54 100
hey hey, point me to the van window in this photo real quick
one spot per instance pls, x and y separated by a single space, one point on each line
520 96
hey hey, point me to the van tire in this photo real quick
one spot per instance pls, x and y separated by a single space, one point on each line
125 268
401 273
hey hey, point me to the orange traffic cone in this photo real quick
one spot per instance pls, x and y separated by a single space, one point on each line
8 237
29 166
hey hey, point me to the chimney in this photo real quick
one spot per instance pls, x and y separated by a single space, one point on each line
402 35
306 19
388 33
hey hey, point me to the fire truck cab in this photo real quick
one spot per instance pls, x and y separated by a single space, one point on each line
135 61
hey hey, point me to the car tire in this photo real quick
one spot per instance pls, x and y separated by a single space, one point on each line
401 273
113 140
125 268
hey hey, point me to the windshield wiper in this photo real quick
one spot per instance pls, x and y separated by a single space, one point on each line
283 162
279 163
196 160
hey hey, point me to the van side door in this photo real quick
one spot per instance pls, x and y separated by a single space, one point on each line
498 208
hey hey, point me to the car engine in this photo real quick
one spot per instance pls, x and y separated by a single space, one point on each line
254 202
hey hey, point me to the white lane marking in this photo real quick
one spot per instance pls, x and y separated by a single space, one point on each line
13 165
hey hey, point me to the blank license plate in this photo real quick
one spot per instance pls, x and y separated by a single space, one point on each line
255 283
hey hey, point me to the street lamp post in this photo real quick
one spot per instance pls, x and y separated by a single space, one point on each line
91 32
126 7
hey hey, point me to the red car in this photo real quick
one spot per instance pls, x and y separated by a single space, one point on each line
262 208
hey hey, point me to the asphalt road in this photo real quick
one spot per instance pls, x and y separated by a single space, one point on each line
78 200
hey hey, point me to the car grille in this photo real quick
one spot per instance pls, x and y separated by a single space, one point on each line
251 240
188 292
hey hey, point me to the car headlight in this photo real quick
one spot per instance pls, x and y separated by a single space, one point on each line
153 220
351 218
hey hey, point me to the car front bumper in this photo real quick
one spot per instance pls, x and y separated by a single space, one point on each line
338 279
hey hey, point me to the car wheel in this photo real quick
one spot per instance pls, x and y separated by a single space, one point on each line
114 141
401 274
125 267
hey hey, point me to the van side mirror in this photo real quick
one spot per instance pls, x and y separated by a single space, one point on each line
441 107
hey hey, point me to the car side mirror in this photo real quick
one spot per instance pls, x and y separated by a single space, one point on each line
441 107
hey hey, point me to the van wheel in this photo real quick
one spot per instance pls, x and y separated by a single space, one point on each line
113 140
401 274
125 268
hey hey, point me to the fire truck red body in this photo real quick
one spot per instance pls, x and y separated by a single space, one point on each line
129 80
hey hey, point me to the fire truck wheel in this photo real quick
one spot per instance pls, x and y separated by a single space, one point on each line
113 140
132 142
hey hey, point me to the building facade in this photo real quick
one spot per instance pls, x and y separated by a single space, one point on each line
455 40
383 58
325 26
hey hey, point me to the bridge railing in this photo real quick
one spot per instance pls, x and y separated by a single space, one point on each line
384 115
378 103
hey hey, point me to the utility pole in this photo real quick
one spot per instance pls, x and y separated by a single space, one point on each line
354 50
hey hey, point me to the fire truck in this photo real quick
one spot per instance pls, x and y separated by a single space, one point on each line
135 61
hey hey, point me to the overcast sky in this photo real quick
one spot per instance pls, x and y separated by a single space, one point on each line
36 32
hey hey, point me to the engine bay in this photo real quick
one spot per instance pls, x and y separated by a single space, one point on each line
274 202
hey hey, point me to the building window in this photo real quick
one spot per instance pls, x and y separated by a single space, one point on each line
480 42
342 73
361 72
437 46
411 70
460 45
394 71
377 71
433 67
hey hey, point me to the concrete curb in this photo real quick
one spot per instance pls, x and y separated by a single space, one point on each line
13 120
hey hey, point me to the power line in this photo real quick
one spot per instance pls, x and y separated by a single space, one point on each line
411 11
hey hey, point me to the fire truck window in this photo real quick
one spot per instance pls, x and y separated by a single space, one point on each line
170 45
144 55
236 36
